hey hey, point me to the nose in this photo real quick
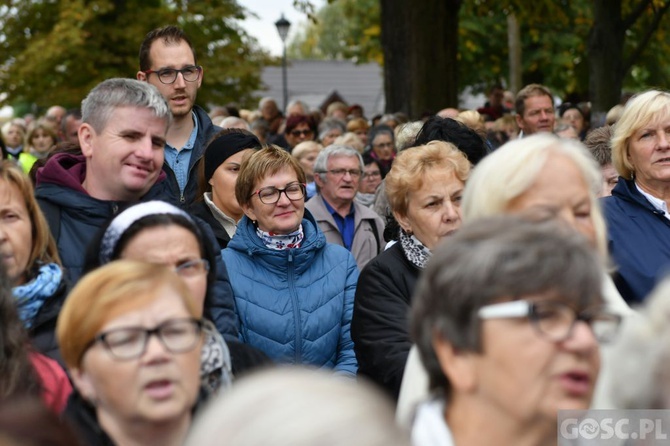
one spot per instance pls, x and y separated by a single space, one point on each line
283 199
155 350
582 339
451 212
663 141
180 82
145 148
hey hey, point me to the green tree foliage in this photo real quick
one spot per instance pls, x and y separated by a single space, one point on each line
554 40
55 51
342 29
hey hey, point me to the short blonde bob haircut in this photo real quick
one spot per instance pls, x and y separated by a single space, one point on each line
511 170
261 164
641 110
411 166
106 293
44 248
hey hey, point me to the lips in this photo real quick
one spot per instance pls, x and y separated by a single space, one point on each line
662 160
160 389
576 383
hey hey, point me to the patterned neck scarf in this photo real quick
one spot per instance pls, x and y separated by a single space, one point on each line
415 251
30 297
280 241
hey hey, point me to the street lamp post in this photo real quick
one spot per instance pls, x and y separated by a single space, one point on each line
283 26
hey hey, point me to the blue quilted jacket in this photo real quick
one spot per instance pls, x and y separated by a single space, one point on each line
296 304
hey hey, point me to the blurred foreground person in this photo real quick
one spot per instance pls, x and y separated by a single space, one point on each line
296 407
130 334
507 340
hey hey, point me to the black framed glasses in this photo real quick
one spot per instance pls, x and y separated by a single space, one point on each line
372 175
177 335
192 268
169 75
556 320
271 195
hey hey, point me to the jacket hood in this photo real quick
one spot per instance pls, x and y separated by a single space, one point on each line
247 241
65 170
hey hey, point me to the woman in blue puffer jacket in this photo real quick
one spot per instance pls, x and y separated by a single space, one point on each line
293 291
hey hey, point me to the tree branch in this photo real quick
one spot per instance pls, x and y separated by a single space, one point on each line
635 14
639 49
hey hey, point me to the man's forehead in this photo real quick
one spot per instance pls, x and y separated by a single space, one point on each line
343 159
163 53
538 101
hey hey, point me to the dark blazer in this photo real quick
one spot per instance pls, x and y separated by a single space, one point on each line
380 323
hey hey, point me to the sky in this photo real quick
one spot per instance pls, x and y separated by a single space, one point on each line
268 12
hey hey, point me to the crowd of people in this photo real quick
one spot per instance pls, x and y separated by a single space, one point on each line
314 277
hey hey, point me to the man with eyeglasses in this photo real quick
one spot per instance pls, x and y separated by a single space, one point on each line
168 61
345 222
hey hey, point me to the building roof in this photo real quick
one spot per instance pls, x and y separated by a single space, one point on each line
312 81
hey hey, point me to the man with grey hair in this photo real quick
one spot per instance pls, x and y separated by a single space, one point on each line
121 138
337 173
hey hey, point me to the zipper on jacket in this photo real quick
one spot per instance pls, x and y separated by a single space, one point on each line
296 308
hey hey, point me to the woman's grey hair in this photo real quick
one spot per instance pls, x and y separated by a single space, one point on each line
329 124
405 135
298 407
639 373
380 129
321 162
511 170
107 96
491 260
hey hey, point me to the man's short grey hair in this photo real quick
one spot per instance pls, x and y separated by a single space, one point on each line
107 96
234 122
321 163
265 100
492 260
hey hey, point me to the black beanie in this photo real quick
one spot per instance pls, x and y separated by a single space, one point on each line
226 146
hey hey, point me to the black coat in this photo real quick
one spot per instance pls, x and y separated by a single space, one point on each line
380 323
202 211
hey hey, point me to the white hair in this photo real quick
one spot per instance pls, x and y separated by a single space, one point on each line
290 406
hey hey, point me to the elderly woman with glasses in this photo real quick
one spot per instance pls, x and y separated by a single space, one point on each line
131 335
294 292
508 341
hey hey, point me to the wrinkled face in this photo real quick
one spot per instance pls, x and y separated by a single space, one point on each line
649 155
371 179
538 116
124 160
434 210
560 191
307 163
610 178
14 136
526 377
223 185
172 246
575 119
330 137
180 94
16 233
340 187
282 217
42 141
157 387
383 147
300 133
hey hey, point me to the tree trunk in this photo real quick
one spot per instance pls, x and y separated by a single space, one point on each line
420 43
514 45
605 50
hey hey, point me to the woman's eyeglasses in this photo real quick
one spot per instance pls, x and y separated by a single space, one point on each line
177 335
271 195
556 320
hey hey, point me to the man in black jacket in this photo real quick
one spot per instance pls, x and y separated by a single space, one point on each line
168 61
